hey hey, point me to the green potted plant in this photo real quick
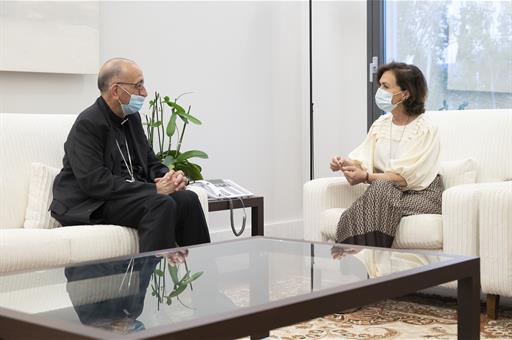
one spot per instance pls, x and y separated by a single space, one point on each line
157 129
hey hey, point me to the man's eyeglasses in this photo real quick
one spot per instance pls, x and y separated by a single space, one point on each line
138 86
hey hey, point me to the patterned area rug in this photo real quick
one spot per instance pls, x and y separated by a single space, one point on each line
411 317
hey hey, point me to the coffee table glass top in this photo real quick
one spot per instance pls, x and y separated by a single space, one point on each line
169 288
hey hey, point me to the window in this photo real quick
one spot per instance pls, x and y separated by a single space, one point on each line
464 49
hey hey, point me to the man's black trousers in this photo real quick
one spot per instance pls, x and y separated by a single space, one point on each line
162 221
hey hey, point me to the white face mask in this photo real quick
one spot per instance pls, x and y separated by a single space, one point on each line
383 100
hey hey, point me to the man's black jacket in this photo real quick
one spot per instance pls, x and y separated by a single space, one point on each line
92 172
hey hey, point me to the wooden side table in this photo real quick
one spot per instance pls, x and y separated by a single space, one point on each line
256 204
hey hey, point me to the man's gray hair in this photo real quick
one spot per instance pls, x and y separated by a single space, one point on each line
111 69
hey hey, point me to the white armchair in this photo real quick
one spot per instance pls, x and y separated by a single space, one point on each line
477 203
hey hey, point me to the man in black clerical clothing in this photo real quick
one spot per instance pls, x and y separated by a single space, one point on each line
111 175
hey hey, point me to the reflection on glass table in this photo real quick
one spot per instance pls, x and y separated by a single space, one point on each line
182 290
111 295
384 262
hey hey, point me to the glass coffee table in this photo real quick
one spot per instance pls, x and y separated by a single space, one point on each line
224 290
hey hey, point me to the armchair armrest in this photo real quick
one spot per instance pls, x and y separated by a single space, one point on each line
495 215
461 217
326 193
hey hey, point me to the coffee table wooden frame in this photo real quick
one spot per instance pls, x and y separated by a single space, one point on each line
256 321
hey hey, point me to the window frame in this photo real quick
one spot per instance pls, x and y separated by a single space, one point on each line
375 31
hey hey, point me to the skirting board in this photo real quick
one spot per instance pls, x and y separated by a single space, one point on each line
293 229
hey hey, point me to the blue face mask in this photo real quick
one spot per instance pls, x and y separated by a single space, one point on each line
134 105
383 100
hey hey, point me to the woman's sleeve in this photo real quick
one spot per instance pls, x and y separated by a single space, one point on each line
364 152
419 164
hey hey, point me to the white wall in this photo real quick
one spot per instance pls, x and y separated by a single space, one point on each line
26 92
243 62
247 64
339 82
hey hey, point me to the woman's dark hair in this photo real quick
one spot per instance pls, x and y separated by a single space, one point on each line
410 78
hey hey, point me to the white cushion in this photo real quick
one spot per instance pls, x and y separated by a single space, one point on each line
40 197
328 223
420 232
23 249
458 172
92 242
482 134
417 231
24 139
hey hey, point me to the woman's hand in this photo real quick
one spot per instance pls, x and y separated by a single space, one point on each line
336 163
354 174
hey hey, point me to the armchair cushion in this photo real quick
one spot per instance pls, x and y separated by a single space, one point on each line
420 232
457 172
39 197
24 249
326 193
414 232
92 242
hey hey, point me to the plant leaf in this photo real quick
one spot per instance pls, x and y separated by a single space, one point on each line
192 119
159 272
171 126
175 106
174 153
154 123
164 154
197 166
188 118
196 172
169 161
191 153
190 170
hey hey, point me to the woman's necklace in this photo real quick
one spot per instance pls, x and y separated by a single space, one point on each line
390 135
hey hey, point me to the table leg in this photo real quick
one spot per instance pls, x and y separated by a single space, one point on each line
260 335
257 219
259 286
468 306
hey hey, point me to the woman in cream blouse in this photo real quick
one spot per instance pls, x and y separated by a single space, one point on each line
399 158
